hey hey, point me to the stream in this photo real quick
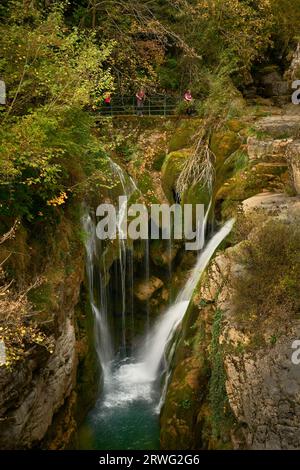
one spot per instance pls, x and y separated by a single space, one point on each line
126 415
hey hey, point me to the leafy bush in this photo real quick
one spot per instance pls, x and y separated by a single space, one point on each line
268 284
52 74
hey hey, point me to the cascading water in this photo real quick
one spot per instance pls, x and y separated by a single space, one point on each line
164 329
128 187
103 338
97 278
125 415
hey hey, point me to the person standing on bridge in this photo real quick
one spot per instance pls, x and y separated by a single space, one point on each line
188 99
140 99
107 102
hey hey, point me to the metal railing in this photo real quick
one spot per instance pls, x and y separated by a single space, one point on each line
158 105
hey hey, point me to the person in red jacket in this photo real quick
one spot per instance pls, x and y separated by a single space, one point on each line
107 101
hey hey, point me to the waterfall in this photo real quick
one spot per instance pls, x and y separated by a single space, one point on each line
132 380
128 187
147 277
132 395
103 338
95 253
165 327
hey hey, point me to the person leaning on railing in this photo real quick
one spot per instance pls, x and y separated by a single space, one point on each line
140 99
188 99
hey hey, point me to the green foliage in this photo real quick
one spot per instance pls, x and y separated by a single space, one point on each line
217 391
52 73
169 74
268 285
44 156
173 46
236 162
286 17
126 150
44 63
186 404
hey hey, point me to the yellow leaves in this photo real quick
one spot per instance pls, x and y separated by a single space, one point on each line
19 338
59 200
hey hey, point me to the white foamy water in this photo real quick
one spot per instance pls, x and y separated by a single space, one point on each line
126 384
132 381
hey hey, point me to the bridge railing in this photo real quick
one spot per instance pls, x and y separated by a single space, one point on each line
158 105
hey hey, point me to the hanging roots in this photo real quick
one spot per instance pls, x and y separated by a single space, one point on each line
199 168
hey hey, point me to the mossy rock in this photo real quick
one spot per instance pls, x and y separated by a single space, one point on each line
246 184
235 163
223 144
275 169
146 186
184 134
197 194
235 125
171 170
158 161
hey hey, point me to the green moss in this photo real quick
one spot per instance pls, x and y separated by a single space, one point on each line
223 144
221 417
158 161
242 186
197 194
235 125
146 186
185 132
42 297
171 170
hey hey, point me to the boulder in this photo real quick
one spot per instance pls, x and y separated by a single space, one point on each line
284 126
145 289
272 203
171 170
293 157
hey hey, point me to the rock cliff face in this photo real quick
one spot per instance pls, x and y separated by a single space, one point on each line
233 382
262 382
263 392
35 390
39 392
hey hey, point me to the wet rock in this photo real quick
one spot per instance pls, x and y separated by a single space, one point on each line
145 290
162 255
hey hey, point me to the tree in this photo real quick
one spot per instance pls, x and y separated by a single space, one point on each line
52 74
